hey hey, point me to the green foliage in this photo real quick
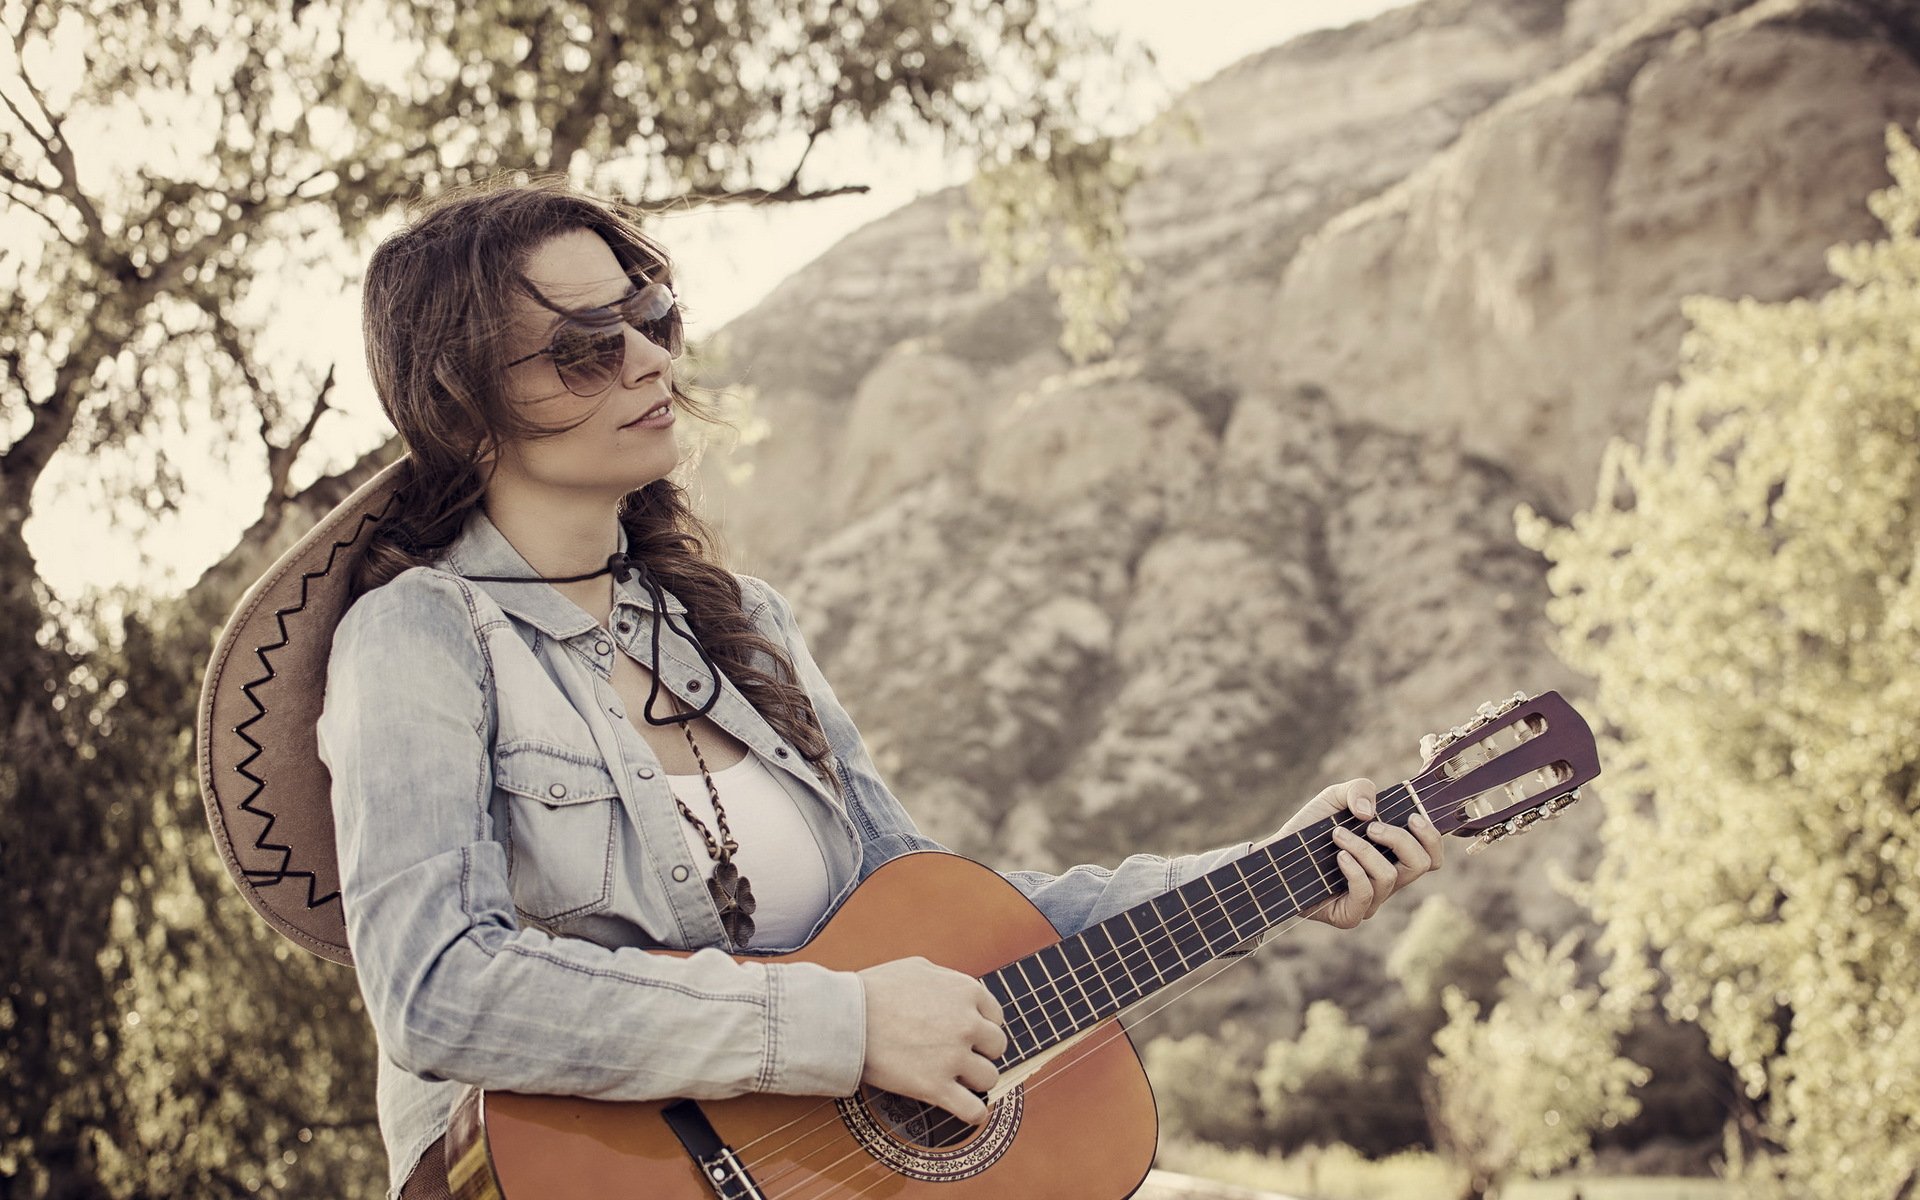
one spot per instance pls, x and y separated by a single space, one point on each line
199 1052
1521 1091
1743 591
1443 945
1204 1087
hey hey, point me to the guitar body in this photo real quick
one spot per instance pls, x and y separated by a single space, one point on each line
1081 1126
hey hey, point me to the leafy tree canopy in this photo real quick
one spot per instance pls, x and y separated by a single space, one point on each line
1744 592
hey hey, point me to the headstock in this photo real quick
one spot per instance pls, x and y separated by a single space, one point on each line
1512 766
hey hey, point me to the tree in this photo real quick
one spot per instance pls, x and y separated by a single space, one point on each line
1744 592
1204 1086
136 296
1314 1088
1523 1090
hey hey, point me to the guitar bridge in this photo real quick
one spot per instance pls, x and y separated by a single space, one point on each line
719 1165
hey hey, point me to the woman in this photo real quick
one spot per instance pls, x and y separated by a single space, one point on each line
559 733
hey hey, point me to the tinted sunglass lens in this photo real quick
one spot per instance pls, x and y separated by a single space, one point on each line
589 360
653 311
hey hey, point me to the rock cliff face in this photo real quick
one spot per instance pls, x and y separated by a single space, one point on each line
1418 271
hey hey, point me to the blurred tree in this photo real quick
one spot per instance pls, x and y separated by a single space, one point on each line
1314 1087
1744 592
139 276
1204 1086
1522 1091
1442 945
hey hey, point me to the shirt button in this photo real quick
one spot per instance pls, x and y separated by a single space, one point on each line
693 685
557 790
646 772
780 751
623 627
680 874
602 647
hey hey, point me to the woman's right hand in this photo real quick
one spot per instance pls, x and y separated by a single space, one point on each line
931 1033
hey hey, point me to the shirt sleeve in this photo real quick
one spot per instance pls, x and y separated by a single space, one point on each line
1081 896
455 986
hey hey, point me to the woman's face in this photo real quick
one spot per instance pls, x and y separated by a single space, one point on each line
605 452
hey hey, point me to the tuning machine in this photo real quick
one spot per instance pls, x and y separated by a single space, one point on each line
1433 743
1521 822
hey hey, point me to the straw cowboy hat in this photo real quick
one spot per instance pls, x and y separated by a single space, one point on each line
267 792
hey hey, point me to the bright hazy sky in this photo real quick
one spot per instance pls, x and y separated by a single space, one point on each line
727 260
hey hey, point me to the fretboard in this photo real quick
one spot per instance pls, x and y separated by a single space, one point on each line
1079 981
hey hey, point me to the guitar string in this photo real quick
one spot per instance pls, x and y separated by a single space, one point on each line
1265 875
1275 868
949 1122
1096 1039
1055 989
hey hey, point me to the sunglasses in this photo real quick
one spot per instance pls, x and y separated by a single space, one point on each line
588 356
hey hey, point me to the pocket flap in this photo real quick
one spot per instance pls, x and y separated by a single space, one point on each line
551 774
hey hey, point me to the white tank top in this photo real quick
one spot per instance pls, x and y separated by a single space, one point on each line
777 854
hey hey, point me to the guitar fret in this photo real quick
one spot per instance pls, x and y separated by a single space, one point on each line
1396 805
1206 939
1013 1017
1079 986
1074 1021
1239 867
1068 948
1185 928
1314 859
1142 944
1300 875
1226 911
1033 991
1120 956
1094 955
1172 938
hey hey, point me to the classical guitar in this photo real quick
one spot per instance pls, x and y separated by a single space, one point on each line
1072 1116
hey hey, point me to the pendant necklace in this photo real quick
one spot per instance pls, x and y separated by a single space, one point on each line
731 892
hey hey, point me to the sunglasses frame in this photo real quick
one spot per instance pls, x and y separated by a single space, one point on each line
608 341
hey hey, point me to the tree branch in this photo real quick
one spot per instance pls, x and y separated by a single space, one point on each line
23 202
786 193
60 153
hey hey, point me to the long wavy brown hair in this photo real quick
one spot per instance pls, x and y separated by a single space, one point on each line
438 303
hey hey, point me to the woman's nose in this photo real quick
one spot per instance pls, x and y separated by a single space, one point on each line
644 357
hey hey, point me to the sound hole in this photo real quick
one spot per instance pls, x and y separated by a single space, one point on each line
915 1122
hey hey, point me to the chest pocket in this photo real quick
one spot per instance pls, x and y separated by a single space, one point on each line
563 822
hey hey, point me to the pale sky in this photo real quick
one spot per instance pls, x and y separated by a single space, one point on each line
727 261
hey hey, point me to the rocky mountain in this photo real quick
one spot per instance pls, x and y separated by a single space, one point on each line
1417 272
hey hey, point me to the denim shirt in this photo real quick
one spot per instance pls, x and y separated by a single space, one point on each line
509 851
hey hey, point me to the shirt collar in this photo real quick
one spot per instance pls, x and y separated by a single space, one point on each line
481 549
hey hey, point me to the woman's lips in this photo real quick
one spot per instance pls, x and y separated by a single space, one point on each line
658 417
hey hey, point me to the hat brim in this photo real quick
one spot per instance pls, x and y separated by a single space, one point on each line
268 795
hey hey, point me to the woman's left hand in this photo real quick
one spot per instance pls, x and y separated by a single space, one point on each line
1371 877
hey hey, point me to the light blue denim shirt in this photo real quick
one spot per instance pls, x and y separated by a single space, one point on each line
509 850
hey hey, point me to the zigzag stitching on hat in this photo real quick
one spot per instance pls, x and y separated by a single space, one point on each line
268 877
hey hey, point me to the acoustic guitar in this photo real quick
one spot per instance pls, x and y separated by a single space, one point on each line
1072 1116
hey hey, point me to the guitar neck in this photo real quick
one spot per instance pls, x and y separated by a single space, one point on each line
1066 988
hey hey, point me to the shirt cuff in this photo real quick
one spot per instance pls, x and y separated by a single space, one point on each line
816 1030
